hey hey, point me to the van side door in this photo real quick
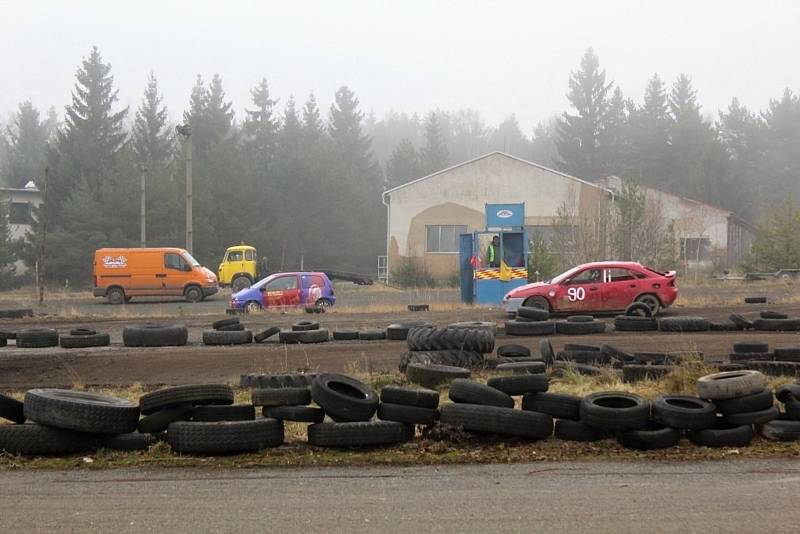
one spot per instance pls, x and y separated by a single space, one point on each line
177 272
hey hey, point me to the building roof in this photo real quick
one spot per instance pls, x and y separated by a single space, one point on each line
496 152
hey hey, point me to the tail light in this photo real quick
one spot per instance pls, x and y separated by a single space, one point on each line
672 283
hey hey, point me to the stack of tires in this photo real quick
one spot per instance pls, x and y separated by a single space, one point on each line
261 380
202 419
771 321
304 332
648 366
783 361
489 408
81 338
638 317
515 358
154 335
531 321
351 405
228 331
577 325
287 398
742 400
456 348
64 421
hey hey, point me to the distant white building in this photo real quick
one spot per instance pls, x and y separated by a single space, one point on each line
21 203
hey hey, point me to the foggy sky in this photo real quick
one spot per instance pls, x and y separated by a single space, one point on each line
497 57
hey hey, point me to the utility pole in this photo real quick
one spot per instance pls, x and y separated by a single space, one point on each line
186 131
40 263
142 211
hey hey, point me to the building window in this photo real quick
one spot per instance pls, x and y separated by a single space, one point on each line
443 238
20 213
695 248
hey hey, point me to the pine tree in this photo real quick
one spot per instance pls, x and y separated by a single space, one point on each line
434 156
742 135
614 142
579 133
650 127
27 147
260 126
697 161
152 140
313 129
93 132
781 154
403 165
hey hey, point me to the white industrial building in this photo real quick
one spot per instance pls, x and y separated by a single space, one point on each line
426 216
21 203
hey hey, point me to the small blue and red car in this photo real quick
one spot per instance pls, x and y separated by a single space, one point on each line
281 290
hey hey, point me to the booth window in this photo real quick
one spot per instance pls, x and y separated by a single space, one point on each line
20 213
443 238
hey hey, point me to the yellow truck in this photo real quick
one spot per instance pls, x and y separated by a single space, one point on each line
239 268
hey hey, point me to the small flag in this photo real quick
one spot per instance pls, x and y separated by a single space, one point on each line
505 271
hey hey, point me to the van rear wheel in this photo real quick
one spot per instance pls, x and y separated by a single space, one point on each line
115 295
239 283
193 294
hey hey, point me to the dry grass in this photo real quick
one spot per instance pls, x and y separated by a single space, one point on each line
440 445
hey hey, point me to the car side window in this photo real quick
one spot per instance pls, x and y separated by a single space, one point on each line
620 275
249 255
172 261
317 280
283 283
588 276
235 256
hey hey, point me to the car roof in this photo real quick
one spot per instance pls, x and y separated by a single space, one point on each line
301 273
611 264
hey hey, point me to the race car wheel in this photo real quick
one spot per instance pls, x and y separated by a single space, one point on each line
537 302
252 306
323 303
652 302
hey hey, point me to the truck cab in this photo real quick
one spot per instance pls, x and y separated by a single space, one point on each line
239 267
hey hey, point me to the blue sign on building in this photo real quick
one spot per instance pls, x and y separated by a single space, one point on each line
505 215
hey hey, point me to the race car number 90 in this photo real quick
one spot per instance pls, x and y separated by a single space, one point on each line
576 293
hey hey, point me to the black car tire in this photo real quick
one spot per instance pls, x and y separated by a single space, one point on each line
536 314
557 405
33 439
569 430
159 421
83 341
653 436
722 434
753 418
431 375
639 309
187 393
615 411
281 397
628 323
513 351
684 412
520 384
37 338
420 397
81 411
302 326
11 409
224 437
781 430
468 391
541 328
760 400
359 434
344 398
131 441
227 337
345 335
522 368
229 321
266 334
579 328
683 324
155 336
410 415
496 420
299 414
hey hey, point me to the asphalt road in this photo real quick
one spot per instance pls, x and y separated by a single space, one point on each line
730 496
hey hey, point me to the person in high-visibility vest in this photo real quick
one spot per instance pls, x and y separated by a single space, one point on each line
492 252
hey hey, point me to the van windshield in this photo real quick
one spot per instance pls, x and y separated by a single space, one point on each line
190 259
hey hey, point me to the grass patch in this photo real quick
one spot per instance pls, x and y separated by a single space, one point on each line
438 445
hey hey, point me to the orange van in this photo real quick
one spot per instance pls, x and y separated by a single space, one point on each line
123 273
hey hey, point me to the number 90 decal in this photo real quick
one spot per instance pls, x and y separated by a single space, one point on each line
576 293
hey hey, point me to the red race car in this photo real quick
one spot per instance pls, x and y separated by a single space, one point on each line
602 286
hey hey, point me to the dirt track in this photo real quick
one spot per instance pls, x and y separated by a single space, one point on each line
118 365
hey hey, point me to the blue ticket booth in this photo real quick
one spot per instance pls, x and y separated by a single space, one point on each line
484 281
